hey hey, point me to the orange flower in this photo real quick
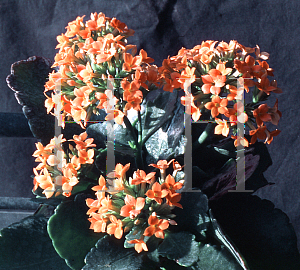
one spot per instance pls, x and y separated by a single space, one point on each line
105 205
120 170
162 164
56 142
222 127
117 115
275 113
115 227
78 113
234 92
217 106
156 193
86 156
173 199
187 77
139 244
195 111
261 114
157 226
130 62
121 27
265 86
265 69
41 150
266 114
222 68
96 21
67 181
140 177
63 41
144 57
74 26
240 141
82 142
172 82
259 133
177 166
271 134
133 102
82 96
225 47
98 222
100 189
44 181
132 206
213 82
86 73
171 185
102 100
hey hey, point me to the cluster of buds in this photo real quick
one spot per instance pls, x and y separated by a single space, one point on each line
212 72
141 204
90 54
58 170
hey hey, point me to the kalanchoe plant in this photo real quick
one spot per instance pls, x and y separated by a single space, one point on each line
136 216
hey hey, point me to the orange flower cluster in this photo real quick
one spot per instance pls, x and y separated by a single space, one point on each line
212 71
58 172
89 55
140 204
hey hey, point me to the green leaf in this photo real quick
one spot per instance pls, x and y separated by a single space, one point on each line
262 233
180 247
193 217
81 186
162 126
135 233
255 97
157 112
110 253
123 152
70 233
43 200
215 258
26 246
27 80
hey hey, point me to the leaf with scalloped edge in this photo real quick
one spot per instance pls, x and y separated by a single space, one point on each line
69 230
110 253
26 245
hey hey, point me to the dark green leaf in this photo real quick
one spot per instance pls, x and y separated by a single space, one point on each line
135 233
180 247
255 97
81 186
162 125
193 217
27 80
70 233
157 112
26 246
123 152
44 200
110 253
215 258
262 233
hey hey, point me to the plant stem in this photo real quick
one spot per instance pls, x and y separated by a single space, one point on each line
204 137
130 129
140 141
137 141
139 128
